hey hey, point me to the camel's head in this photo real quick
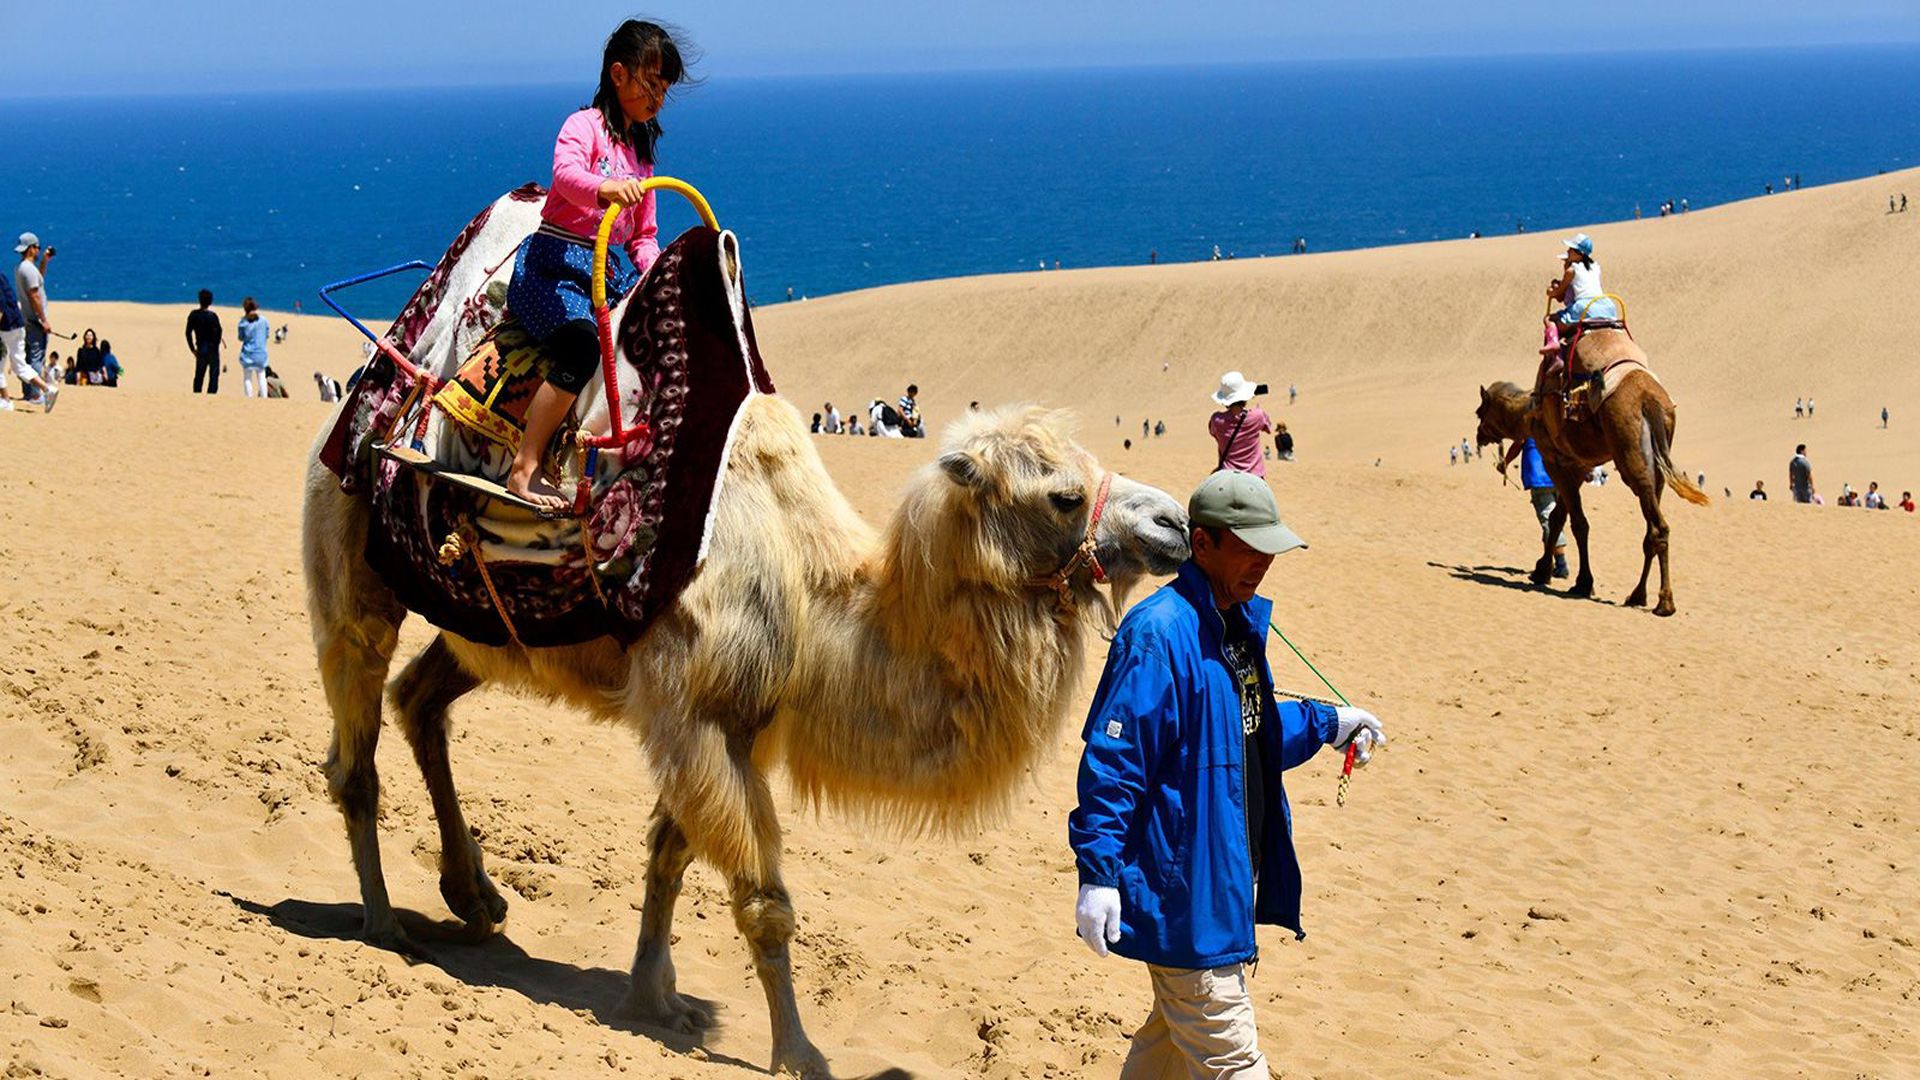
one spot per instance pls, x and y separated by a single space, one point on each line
1501 414
1022 491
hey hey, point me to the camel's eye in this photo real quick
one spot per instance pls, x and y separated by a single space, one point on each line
1067 501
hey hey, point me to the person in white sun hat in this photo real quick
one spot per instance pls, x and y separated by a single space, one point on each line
1237 427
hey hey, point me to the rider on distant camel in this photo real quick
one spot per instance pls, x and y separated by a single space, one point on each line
1582 299
600 157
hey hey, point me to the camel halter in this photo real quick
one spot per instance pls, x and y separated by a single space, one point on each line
1061 580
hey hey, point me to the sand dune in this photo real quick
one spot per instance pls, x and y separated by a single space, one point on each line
1601 844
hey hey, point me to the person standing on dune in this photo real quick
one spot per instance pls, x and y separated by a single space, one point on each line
1182 838
1237 427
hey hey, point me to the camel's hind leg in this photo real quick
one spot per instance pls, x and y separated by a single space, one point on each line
356 626
1653 545
420 696
654 995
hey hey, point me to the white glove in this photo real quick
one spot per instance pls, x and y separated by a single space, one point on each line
1098 916
1360 727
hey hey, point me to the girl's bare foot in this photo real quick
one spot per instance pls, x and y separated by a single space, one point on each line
526 484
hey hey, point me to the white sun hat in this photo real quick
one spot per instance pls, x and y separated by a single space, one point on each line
1235 387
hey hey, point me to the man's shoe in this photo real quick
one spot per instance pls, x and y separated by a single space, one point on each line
1560 566
47 399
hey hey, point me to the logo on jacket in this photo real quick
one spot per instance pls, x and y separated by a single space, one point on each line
1113 729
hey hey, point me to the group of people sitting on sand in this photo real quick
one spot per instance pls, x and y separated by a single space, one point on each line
884 420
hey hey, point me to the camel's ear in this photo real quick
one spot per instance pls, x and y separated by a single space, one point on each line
1483 393
962 467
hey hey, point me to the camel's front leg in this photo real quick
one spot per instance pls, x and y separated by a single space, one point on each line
653 996
764 913
1577 517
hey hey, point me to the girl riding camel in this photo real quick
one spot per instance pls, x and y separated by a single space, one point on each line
1582 299
602 154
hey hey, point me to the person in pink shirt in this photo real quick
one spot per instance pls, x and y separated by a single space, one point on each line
1237 427
602 154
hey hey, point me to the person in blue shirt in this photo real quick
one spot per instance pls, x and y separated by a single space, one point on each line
1182 836
1539 487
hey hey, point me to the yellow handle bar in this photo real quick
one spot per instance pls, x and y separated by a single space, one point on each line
600 239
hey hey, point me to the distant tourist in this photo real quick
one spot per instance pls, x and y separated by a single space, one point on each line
883 420
1875 500
1160 428
853 425
1800 475
1237 427
1799 408
13 351
329 386
814 428
1293 393
1883 416
1145 430
110 369
276 387
1809 406
1153 256
1283 442
252 332
86 362
1906 501
30 287
912 424
1453 454
832 425
1759 492
973 406
203 338
1683 206
1216 253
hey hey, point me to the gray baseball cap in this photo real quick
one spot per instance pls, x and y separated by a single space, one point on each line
27 240
1243 503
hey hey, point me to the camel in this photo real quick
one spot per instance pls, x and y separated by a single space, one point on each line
1633 428
914 675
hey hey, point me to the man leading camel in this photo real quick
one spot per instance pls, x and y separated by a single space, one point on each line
1183 734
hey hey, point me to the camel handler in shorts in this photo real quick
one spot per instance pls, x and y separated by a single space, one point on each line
1182 837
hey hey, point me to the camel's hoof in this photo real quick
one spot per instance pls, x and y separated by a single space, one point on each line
1664 608
667 1011
1582 589
805 1062
476 901
1637 598
1541 575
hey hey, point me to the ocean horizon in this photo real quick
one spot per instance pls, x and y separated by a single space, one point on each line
836 183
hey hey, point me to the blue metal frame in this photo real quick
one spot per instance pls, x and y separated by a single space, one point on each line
326 290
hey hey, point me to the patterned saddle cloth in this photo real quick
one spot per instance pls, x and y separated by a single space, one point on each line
492 571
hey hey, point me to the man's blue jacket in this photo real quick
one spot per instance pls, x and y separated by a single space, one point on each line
1162 814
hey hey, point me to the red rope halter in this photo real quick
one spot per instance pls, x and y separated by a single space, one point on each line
1061 580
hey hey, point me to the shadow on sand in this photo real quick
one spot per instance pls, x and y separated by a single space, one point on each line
498 962
1512 577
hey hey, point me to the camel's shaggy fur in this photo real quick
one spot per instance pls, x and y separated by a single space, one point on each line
914 675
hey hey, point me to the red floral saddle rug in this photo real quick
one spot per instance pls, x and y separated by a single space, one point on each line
494 572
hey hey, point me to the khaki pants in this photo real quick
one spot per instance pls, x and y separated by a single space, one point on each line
1201 1027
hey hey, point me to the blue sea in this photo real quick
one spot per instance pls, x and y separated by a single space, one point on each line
838 183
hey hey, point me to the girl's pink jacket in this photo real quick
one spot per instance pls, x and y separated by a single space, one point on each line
584 156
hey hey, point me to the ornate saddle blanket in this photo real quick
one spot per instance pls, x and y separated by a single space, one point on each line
496 573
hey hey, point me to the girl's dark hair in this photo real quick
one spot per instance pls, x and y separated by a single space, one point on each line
642 47
1587 260
248 304
106 346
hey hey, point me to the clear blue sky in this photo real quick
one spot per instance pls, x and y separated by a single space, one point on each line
135 46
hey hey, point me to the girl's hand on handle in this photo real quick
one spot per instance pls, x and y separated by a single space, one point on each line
625 192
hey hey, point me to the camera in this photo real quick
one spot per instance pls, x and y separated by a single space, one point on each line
1260 388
